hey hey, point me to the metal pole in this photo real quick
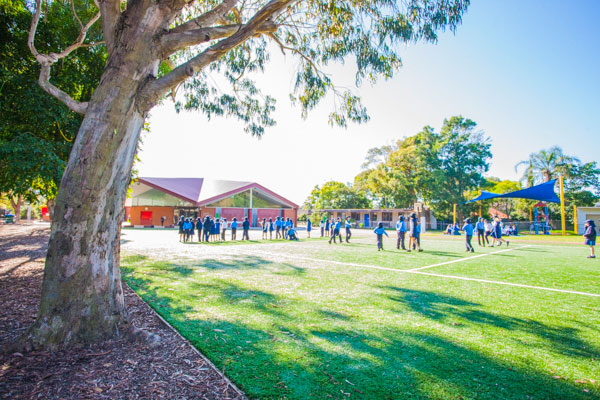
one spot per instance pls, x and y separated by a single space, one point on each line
575 219
562 206
454 214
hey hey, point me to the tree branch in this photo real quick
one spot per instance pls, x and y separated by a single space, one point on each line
174 41
44 82
46 60
207 19
151 93
111 11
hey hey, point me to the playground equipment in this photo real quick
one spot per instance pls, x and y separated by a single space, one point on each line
538 224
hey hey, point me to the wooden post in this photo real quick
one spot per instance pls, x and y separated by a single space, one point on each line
562 206
575 219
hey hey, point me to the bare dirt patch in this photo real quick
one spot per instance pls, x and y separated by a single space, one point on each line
115 369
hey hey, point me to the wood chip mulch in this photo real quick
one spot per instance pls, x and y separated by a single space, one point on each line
115 369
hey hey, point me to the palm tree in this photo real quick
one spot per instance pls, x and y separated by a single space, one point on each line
545 165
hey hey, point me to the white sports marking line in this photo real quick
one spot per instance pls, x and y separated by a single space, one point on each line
467 258
414 271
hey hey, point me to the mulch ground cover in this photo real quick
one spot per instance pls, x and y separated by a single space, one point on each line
116 369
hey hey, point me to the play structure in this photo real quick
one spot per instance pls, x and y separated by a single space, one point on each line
544 193
538 224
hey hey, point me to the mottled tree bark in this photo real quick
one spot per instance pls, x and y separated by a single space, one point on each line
82 297
16 206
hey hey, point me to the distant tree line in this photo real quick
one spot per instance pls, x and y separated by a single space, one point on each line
447 167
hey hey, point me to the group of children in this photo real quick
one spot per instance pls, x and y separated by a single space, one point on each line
284 229
213 229
484 229
413 228
210 229
333 229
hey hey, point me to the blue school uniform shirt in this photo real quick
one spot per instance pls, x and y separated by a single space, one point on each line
234 225
338 224
326 225
401 226
279 223
348 224
309 225
480 225
468 228
380 231
289 224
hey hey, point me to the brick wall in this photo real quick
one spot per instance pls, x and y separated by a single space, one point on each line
157 212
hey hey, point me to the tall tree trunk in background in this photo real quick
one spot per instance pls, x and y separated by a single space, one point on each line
82 298
16 205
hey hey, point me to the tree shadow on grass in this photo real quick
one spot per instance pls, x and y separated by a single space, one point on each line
279 352
565 340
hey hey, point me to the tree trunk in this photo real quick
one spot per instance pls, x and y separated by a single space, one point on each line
82 298
16 206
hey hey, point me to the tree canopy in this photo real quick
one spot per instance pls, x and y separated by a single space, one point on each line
36 130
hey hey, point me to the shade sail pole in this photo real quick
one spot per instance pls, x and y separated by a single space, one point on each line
562 205
575 219
454 214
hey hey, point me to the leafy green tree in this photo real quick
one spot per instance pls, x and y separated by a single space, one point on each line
450 164
209 50
337 195
37 131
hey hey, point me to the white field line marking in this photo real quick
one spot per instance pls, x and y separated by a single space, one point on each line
409 271
467 258
505 283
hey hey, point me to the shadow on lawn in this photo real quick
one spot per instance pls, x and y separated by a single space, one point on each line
282 352
565 340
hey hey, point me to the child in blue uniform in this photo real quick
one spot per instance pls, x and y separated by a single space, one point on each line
217 229
245 229
234 225
347 225
415 233
206 228
199 227
308 227
291 234
265 227
327 226
468 228
278 228
271 228
497 232
590 236
335 229
380 231
480 226
401 232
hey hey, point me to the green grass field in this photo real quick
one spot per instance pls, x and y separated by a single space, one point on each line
313 320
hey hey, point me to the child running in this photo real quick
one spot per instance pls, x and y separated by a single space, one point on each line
468 228
348 225
497 233
380 231
589 233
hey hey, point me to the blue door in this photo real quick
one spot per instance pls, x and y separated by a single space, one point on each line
366 220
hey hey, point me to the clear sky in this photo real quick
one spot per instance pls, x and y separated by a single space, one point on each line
527 71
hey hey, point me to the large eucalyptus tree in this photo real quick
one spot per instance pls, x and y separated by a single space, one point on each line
156 47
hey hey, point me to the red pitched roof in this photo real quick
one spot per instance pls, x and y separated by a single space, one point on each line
203 191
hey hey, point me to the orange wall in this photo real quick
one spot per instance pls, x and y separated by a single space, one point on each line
157 212
291 214
204 211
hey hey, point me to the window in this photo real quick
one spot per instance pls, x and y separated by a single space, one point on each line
355 216
386 216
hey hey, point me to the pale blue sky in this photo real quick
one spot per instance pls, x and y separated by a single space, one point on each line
528 72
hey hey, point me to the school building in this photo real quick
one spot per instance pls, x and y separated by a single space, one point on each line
161 201
369 218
